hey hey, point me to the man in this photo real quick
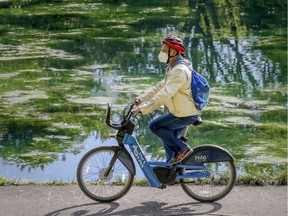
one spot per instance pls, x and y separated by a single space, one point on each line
174 92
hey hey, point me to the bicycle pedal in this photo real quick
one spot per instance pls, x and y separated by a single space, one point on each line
163 186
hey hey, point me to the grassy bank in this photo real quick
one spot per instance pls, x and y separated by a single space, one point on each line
255 180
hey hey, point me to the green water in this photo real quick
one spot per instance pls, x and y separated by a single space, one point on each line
62 61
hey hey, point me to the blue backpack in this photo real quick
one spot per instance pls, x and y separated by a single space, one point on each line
199 86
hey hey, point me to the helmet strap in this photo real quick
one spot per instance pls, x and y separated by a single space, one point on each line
169 56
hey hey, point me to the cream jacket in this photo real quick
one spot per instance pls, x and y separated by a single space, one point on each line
174 91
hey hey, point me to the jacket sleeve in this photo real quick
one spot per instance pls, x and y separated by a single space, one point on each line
174 82
150 94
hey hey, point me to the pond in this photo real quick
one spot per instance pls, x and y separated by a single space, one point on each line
61 62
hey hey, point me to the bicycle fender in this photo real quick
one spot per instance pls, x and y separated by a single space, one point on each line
127 160
208 153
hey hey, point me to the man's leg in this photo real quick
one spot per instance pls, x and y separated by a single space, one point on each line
168 128
179 132
154 127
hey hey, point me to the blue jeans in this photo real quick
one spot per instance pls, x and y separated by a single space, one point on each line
169 128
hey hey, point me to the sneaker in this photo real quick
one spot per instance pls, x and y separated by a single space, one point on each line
186 152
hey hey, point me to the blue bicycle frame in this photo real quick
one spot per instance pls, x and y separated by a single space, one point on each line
147 166
109 164
194 167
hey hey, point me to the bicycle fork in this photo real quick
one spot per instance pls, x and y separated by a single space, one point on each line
113 160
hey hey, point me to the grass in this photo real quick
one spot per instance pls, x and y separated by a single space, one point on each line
5 182
262 180
247 180
251 180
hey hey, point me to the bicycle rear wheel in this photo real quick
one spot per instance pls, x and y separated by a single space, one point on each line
213 187
93 181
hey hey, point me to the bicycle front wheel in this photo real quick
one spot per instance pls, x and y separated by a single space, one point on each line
219 182
93 179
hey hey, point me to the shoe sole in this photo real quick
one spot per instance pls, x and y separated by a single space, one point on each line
188 154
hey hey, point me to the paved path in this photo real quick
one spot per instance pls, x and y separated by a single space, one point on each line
69 201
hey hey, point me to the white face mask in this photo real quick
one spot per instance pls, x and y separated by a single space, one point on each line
163 57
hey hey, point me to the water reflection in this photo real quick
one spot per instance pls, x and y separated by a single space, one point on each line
61 62
238 63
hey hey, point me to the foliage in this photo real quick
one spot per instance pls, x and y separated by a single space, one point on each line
262 180
61 60
3 181
251 180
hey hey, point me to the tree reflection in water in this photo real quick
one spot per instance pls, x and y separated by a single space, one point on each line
60 62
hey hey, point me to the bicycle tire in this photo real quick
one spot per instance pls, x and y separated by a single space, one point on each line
93 182
216 186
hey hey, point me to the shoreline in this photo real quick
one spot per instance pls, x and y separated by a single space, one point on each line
242 180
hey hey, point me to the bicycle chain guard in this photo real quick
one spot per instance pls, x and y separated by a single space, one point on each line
165 175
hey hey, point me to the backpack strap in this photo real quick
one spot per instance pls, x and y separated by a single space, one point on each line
181 60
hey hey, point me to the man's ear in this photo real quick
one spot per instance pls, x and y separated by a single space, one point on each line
173 52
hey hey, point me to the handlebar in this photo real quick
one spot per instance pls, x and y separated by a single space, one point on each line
126 118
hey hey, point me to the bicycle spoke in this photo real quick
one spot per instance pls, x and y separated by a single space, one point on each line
215 186
96 183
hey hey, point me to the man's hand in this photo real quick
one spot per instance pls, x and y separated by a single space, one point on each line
137 111
138 101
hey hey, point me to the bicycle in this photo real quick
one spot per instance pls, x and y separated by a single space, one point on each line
106 173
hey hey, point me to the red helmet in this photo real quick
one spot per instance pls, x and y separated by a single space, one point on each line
175 43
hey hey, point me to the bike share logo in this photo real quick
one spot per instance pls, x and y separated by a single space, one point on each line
139 156
200 158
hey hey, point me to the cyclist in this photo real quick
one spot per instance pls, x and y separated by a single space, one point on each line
174 92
